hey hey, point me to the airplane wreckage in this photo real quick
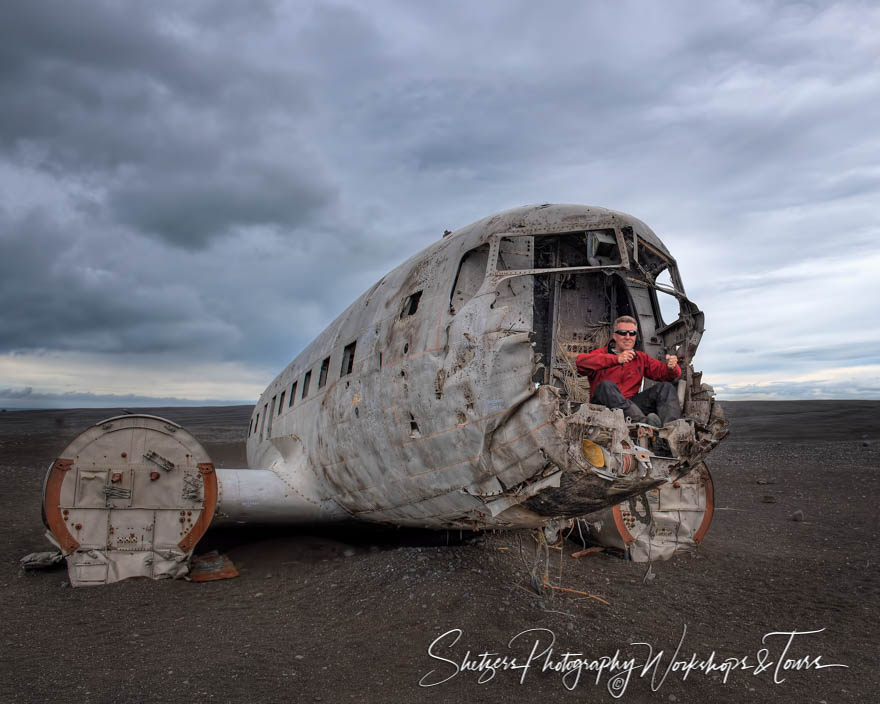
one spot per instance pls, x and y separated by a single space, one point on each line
441 398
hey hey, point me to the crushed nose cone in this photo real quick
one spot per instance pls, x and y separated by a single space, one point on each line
114 516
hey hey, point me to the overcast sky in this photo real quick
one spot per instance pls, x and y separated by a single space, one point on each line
191 191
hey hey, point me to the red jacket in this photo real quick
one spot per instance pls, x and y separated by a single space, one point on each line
602 365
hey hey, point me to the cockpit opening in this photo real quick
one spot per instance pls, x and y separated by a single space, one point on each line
572 250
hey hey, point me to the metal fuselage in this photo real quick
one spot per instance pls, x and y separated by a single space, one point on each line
440 397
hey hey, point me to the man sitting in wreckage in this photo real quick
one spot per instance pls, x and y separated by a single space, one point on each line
616 372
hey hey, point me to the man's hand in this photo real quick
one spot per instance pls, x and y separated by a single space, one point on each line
625 356
570 354
671 361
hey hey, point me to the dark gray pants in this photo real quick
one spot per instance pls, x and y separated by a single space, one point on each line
661 398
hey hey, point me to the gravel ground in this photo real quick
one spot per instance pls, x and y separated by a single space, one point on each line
349 614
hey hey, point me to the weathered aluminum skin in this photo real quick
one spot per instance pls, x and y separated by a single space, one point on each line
129 497
440 422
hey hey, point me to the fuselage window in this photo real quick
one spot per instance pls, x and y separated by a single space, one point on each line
471 272
322 377
269 413
306 379
348 359
257 423
292 394
602 246
411 304
281 402
251 429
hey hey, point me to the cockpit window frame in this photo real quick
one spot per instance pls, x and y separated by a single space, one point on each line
496 275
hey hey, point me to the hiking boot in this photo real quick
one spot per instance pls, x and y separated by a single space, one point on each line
634 413
654 419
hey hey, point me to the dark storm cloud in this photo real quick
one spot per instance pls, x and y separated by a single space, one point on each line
185 137
61 291
191 208
214 180
81 285
730 109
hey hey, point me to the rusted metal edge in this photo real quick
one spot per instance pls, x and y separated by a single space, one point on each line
710 508
211 567
52 505
589 551
621 527
209 479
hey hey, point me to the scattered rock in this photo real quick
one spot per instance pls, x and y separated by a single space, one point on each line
797 515
768 499
348 552
766 481
866 443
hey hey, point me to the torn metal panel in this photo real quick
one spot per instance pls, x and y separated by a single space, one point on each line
41 560
518 496
212 566
114 515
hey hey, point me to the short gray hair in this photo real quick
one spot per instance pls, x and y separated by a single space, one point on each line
625 319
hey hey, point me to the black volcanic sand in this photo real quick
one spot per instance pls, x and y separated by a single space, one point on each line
348 614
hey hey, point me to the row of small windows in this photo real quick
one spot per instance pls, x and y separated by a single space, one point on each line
346 368
410 306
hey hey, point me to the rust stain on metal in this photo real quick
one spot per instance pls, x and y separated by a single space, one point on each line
209 480
211 567
710 511
52 506
621 526
110 516
589 551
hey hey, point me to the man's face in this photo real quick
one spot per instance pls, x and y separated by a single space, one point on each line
624 342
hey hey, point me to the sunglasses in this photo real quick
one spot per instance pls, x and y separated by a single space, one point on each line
625 333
